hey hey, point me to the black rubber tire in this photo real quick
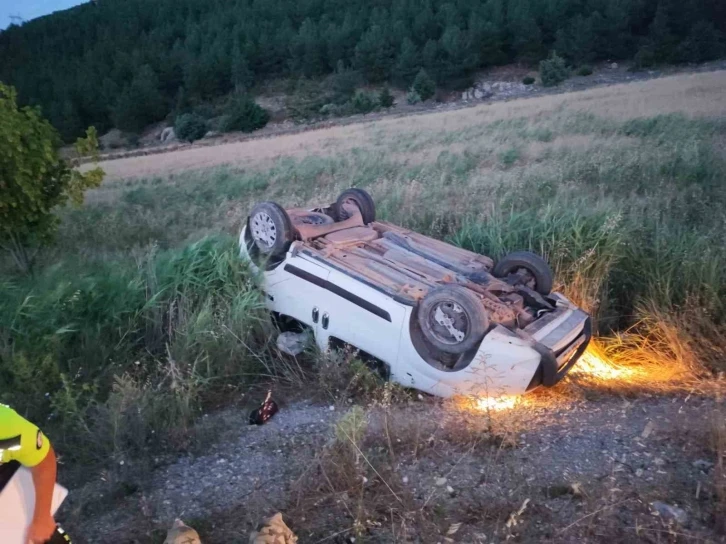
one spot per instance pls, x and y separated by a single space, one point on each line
477 318
362 199
312 218
279 223
533 263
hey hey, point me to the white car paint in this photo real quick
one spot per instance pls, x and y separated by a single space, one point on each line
504 363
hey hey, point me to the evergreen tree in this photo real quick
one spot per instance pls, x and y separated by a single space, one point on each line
375 54
82 66
408 63
140 103
385 98
423 85
662 40
431 57
526 37
704 43
242 76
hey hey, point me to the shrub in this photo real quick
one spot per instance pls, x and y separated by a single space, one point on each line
584 70
553 70
644 58
385 98
413 97
189 127
363 102
335 110
244 114
341 85
529 80
423 85
35 179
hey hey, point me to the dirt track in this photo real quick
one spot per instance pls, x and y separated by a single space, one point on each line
619 454
696 94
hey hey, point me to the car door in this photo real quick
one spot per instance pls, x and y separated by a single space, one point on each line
297 289
362 317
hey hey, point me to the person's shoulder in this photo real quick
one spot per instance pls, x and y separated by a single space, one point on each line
8 416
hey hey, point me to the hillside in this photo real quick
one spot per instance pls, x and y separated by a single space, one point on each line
128 63
620 187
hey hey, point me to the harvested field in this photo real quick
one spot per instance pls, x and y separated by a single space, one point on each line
699 94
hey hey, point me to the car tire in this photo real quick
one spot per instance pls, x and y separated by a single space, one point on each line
270 228
311 218
467 319
537 267
360 198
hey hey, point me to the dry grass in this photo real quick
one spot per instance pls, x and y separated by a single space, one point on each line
691 94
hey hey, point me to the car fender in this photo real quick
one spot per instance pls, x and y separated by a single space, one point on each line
504 364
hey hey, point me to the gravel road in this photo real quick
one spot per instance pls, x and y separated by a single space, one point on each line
565 459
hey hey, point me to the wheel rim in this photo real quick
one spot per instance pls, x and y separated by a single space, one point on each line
312 219
264 231
342 213
449 323
526 277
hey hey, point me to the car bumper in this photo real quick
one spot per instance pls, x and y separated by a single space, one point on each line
555 364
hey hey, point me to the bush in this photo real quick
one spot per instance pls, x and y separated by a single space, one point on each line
335 110
363 102
529 80
644 58
35 179
584 70
553 70
139 333
244 114
341 85
385 98
413 97
423 85
189 127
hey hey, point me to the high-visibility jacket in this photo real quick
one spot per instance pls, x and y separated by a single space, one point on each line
20 440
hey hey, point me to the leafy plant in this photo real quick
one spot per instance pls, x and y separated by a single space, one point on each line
244 114
553 70
35 179
190 127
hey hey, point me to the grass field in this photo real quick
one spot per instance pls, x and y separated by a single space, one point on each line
141 316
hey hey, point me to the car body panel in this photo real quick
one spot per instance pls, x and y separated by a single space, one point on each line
361 285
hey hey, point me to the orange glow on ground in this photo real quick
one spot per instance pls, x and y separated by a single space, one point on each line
495 404
595 365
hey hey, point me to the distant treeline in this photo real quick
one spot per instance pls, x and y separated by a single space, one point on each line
127 63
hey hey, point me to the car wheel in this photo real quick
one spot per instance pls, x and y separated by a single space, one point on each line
526 268
361 199
310 218
453 319
270 228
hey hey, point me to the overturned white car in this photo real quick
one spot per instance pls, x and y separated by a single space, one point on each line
439 318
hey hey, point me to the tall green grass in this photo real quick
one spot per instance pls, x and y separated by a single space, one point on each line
116 353
137 318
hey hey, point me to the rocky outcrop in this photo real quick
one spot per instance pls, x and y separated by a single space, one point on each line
168 135
483 90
